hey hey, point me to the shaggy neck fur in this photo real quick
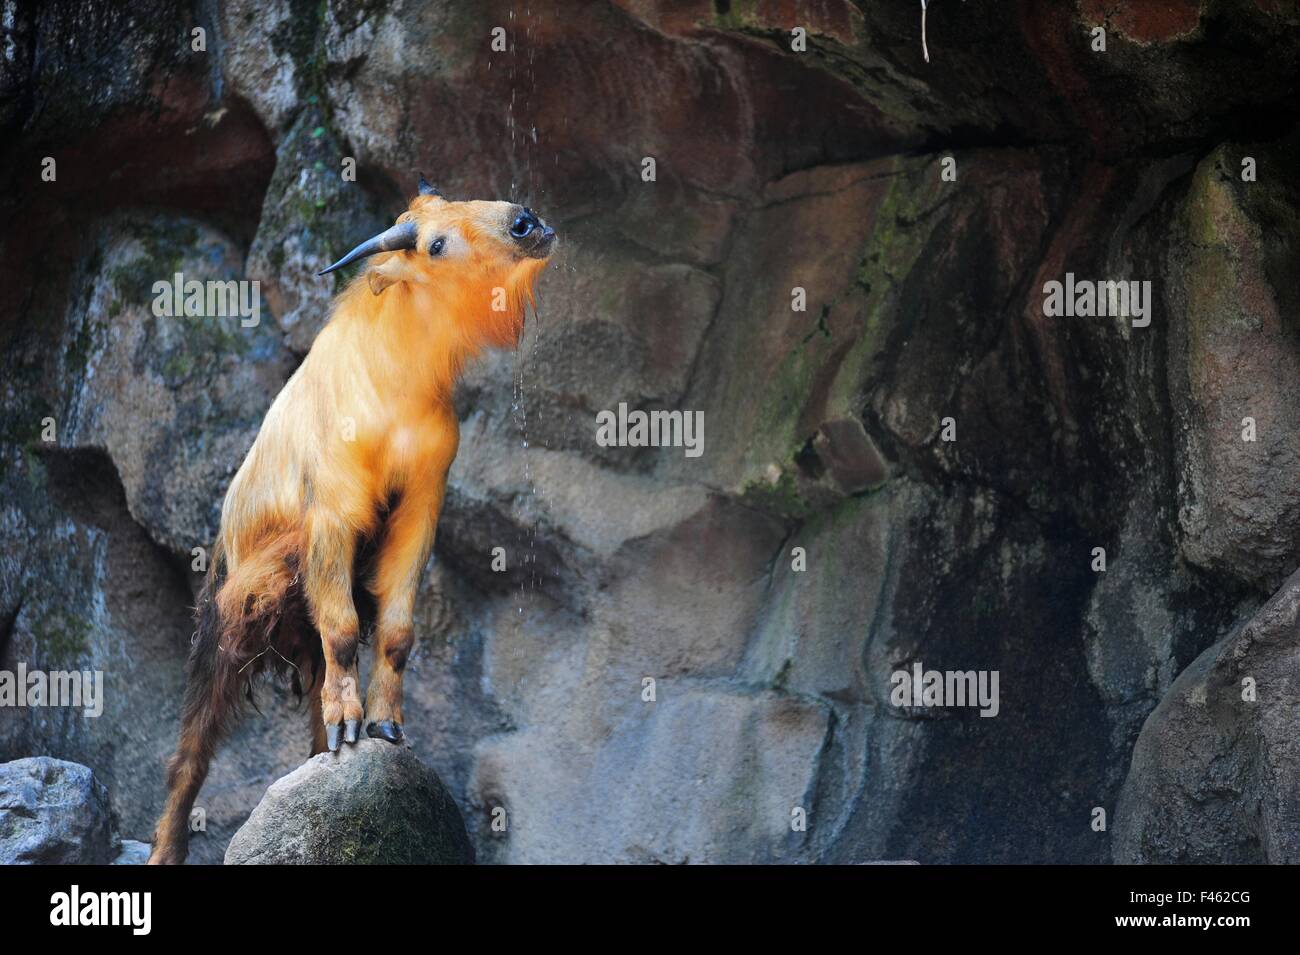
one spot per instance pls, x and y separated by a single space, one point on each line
419 336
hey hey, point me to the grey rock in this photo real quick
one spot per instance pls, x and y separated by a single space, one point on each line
854 462
729 797
133 853
371 803
259 43
174 401
822 426
1215 776
1236 371
310 218
152 415
54 812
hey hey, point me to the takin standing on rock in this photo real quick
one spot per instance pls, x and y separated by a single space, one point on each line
345 481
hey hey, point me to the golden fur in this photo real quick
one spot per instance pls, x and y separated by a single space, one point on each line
354 449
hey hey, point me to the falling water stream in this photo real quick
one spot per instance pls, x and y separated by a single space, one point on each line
525 358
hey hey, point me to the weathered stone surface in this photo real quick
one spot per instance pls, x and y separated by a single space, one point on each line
853 461
120 608
775 171
369 804
172 401
133 118
424 78
310 217
149 417
1235 377
1216 772
54 812
266 50
133 853
728 798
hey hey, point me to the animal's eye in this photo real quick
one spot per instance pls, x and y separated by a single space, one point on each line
522 225
435 247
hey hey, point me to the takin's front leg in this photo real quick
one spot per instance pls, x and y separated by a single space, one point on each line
408 537
328 588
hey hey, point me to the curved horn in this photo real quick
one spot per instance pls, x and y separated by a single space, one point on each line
401 236
427 190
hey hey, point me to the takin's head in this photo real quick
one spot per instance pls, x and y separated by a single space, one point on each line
471 251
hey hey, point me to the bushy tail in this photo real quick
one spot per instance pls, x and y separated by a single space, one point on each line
246 619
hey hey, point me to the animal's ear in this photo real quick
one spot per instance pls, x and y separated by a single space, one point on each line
388 273
428 190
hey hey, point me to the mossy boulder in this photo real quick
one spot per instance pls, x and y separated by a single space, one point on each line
368 804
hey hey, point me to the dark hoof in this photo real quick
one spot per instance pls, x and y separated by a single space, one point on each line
332 737
386 729
350 730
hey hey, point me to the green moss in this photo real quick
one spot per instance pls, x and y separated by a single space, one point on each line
319 210
783 399
389 832
34 469
90 335
178 367
133 282
781 498
300 38
62 639
206 340
781 681
158 260
20 429
903 225
297 38
739 15
893 252
1210 206
1221 235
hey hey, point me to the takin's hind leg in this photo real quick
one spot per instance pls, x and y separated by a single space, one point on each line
302 644
319 744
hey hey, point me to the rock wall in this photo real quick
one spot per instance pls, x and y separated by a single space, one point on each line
776 169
